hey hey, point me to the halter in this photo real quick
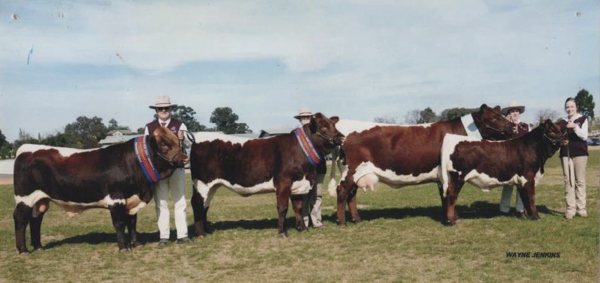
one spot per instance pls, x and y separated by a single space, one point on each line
143 157
325 138
555 141
307 146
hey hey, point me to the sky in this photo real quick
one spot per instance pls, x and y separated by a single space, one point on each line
266 59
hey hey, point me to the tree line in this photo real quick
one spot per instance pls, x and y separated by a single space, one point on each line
584 99
86 132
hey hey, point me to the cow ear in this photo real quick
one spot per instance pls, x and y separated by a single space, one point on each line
497 108
334 119
313 124
483 106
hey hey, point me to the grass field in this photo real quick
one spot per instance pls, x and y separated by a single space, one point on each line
401 239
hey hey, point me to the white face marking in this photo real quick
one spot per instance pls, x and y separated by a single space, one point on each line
208 136
64 151
390 178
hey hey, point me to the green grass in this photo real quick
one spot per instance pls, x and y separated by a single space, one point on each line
400 239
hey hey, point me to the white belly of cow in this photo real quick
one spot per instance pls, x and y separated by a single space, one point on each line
486 182
133 204
370 175
298 187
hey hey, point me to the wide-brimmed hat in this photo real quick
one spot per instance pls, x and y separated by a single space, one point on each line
303 112
511 106
162 101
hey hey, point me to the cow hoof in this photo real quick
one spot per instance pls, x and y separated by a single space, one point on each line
38 249
283 235
124 250
136 244
24 253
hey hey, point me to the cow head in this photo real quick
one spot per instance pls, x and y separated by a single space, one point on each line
556 134
323 131
168 147
492 124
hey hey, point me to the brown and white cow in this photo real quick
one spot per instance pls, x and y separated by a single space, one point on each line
276 164
490 164
405 155
77 180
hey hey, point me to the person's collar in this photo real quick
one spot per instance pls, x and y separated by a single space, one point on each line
166 121
575 117
518 121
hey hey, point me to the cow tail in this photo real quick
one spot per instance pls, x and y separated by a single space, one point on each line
444 166
331 187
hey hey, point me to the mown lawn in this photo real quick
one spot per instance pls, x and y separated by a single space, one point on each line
401 239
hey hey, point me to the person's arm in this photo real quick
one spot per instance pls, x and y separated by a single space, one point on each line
582 132
186 142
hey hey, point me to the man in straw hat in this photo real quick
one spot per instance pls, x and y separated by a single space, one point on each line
175 183
513 113
311 204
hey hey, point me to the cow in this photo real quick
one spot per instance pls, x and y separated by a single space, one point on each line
405 155
284 164
119 178
490 164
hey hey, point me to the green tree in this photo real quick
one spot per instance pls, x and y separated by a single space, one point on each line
2 139
586 103
427 116
453 113
86 132
186 115
226 121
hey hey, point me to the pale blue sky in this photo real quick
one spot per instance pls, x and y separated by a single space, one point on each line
266 59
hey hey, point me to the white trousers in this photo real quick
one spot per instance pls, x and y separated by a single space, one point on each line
311 205
574 175
506 200
176 183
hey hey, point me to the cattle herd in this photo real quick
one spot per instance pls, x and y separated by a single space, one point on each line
476 148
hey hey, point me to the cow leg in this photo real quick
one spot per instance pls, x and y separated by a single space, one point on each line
444 199
352 205
454 187
131 227
297 206
120 220
21 216
342 197
199 213
283 192
527 194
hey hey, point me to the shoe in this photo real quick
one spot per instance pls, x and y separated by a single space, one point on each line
520 214
319 227
504 213
184 240
583 214
163 242
569 216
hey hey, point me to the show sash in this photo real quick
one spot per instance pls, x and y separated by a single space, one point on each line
307 146
141 152
470 127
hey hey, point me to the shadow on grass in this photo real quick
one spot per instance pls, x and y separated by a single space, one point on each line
477 210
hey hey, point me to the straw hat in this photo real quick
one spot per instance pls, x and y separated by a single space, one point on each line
303 112
511 106
162 101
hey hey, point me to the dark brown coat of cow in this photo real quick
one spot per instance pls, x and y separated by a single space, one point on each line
77 180
487 164
410 154
275 164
